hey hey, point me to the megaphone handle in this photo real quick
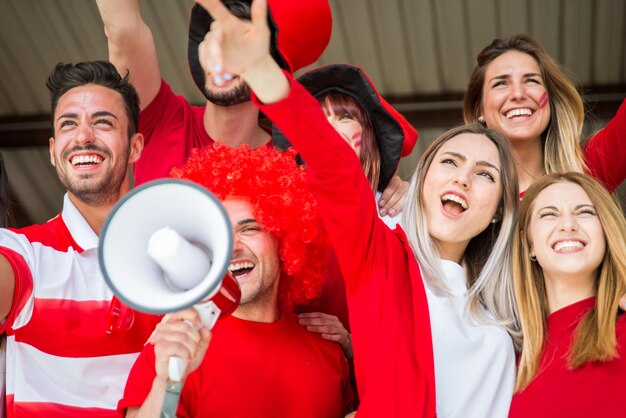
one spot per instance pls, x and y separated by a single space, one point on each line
209 313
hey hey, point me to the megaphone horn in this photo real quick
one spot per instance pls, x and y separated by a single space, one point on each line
166 246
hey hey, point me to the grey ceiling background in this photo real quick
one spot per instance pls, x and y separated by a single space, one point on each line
419 53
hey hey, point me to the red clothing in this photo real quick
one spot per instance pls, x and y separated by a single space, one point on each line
386 297
594 390
60 359
171 128
254 369
605 152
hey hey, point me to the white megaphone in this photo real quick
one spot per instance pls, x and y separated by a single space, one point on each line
166 246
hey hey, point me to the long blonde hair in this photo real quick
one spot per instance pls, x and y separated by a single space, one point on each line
487 258
594 338
561 149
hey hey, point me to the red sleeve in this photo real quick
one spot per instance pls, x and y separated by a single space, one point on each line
336 178
139 381
159 112
23 286
605 152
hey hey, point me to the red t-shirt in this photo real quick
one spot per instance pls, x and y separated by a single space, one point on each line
594 390
171 128
254 369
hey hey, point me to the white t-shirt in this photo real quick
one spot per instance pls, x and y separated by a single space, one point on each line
474 364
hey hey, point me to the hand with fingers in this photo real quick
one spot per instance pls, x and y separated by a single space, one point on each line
392 200
181 335
236 46
329 327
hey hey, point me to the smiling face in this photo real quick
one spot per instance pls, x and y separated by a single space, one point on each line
91 150
255 263
565 232
461 193
514 97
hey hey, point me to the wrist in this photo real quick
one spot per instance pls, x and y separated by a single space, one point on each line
267 81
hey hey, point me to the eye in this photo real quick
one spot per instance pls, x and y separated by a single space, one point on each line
67 122
499 83
547 214
586 211
346 116
103 122
534 81
487 175
250 230
449 161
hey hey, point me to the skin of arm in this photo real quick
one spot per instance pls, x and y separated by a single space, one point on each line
131 46
7 287
182 335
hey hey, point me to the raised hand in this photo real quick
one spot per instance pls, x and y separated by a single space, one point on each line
234 45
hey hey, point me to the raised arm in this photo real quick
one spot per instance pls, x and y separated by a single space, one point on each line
605 152
131 46
336 178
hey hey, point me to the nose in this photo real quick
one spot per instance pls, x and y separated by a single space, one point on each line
518 91
568 223
236 245
461 178
84 133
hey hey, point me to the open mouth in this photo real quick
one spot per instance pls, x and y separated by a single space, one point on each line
519 113
86 160
567 246
240 269
453 204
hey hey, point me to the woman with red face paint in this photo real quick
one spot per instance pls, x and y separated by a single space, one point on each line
518 89
431 305
570 270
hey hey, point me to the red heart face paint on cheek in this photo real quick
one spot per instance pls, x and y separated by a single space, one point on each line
543 100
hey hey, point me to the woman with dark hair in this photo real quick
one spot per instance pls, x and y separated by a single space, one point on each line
569 269
518 89
429 309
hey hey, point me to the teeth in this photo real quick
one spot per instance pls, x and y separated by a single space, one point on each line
519 112
567 245
455 198
240 266
86 159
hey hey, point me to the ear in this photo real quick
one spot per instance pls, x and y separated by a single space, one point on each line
51 142
136 147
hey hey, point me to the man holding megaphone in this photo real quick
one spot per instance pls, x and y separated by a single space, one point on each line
260 362
68 351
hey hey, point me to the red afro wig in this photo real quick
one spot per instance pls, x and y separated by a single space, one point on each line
275 186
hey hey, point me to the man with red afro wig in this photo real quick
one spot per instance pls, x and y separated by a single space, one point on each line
260 362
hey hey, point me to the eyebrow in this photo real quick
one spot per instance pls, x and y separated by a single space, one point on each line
97 114
463 158
247 221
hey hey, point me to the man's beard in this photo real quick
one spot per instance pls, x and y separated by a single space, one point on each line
237 95
95 194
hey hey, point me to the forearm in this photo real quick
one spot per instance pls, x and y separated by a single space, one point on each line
151 408
131 46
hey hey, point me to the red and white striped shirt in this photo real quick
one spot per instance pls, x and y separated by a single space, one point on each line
60 359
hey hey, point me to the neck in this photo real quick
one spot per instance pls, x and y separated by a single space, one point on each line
566 290
451 251
263 308
529 161
235 125
96 215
